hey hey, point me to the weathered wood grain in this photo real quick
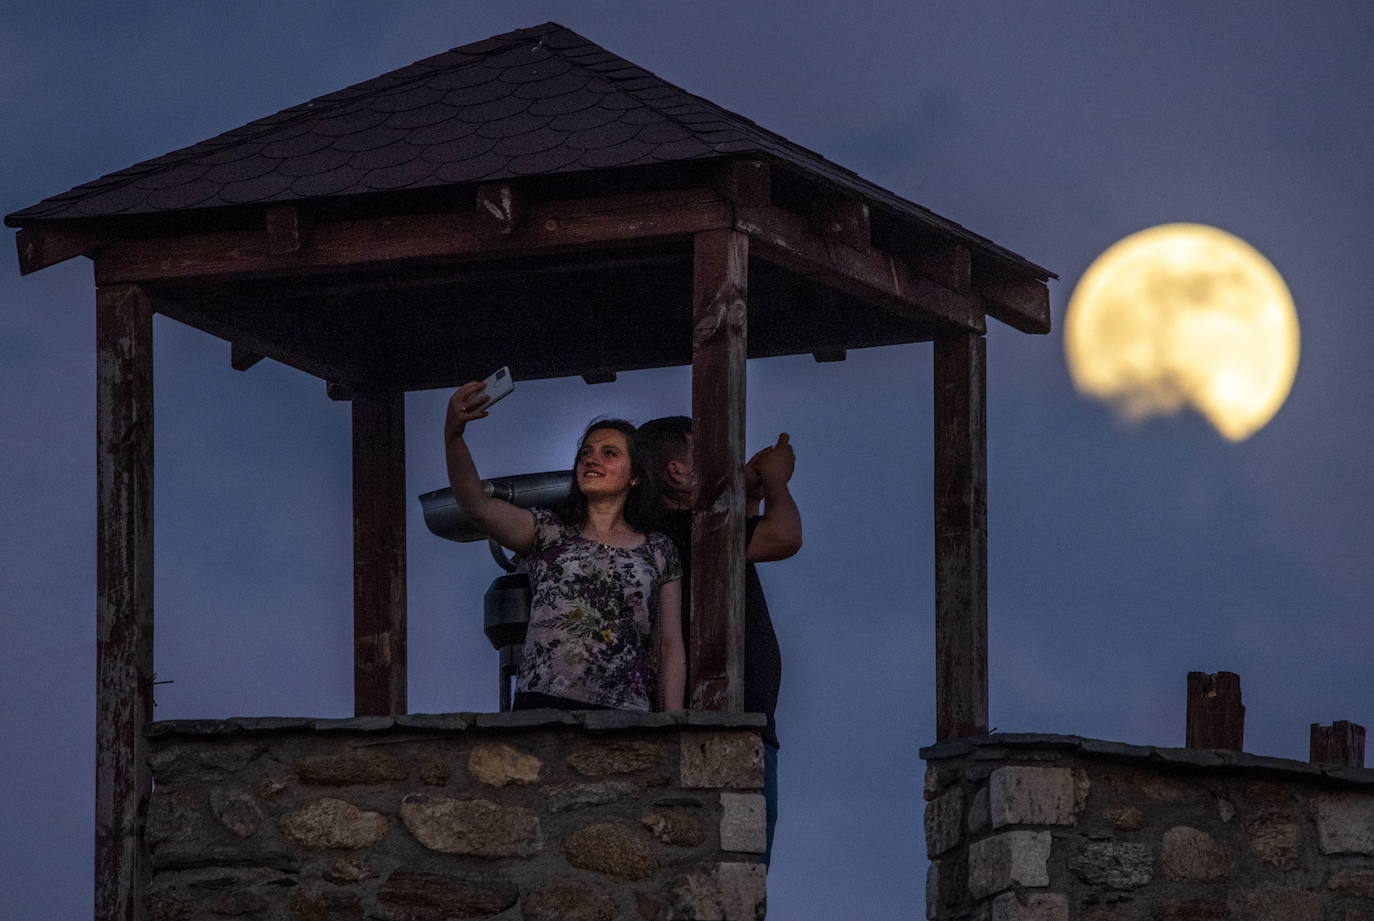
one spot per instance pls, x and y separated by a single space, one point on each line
333 245
1216 717
124 596
379 553
961 537
719 329
1340 743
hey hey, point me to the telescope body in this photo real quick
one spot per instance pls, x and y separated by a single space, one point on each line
526 490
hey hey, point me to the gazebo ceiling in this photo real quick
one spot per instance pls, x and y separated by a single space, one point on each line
528 199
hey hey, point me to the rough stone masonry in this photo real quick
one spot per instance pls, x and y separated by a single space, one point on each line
1061 828
531 816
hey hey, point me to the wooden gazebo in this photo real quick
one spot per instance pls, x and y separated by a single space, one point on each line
534 193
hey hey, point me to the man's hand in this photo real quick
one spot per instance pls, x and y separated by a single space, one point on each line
774 464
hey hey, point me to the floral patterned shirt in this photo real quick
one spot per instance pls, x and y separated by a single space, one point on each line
592 615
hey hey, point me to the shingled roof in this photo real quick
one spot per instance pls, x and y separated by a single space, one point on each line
535 101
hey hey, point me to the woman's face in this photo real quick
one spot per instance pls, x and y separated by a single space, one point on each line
603 464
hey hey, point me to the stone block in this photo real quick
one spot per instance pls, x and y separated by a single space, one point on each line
729 892
1282 905
1275 839
349 870
1114 865
613 850
938 777
1191 854
743 824
1031 796
1034 906
566 797
236 811
678 827
722 759
411 896
1345 822
333 823
435 772
944 821
176 815
351 769
601 758
1012 858
569 900
497 764
933 890
979 817
1358 883
1126 818
478 827
1202 908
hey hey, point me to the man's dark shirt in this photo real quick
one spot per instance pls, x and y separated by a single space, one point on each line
762 658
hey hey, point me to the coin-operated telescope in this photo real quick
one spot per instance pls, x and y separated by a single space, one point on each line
506 604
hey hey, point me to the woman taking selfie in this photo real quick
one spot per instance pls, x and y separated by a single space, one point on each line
606 594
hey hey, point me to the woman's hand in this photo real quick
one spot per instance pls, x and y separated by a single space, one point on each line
464 406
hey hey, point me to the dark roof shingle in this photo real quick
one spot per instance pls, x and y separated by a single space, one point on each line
533 101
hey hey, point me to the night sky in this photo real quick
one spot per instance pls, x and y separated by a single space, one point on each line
1121 555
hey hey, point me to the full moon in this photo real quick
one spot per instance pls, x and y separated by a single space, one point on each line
1184 315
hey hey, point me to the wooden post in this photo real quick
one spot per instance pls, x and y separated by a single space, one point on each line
379 553
719 326
1340 743
1216 717
124 596
961 537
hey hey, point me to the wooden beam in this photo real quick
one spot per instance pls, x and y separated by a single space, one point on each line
379 553
124 596
40 247
1340 743
502 206
846 220
787 239
961 537
1022 303
246 339
719 328
950 266
746 182
1216 716
285 230
336 245
241 358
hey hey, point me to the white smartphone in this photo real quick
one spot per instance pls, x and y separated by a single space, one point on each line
498 384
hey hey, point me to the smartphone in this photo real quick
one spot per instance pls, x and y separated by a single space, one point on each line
499 384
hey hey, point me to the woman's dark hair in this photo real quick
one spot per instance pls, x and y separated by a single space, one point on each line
641 505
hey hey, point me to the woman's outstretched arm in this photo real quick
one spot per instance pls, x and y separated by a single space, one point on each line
674 674
508 525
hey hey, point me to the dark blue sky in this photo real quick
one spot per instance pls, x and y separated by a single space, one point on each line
1121 556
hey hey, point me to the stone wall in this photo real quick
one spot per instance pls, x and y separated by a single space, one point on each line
1060 828
538 815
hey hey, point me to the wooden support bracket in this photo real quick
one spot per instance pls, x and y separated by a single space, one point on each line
747 183
1216 716
847 221
42 247
285 230
1022 303
241 357
501 207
